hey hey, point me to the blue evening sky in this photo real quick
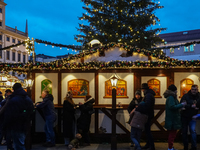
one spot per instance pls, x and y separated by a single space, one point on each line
56 21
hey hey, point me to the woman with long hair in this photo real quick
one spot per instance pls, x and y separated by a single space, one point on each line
68 118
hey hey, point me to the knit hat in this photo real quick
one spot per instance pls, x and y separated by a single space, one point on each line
145 86
138 93
16 86
172 87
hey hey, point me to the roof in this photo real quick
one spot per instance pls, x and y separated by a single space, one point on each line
187 57
44 56
181 36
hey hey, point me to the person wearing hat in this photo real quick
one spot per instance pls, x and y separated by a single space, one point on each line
192 99
18 110
147 107
133 104
172 114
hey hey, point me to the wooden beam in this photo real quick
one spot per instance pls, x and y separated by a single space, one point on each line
117 122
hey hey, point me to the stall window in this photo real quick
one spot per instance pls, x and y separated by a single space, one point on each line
154 84
185 86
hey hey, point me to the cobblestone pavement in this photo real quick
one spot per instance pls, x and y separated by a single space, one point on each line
120 146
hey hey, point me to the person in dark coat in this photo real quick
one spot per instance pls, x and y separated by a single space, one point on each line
49 113
83 122
1 97
172 114
133 104
147 107
4 133
18 111
69 109
191 98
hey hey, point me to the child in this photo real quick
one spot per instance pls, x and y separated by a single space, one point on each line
75 142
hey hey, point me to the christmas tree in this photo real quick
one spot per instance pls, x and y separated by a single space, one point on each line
120 21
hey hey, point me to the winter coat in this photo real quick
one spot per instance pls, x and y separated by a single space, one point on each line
18 111
1 98
134 103
147 105
47 107
188 112
138 120
68 119
86 112
172 111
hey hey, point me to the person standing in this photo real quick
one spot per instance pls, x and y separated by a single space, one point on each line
190 110
18 112
69 109
83 122
147 107
4 133
48 110
172 114
133 104
1 97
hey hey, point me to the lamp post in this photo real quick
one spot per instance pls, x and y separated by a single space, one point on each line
113 80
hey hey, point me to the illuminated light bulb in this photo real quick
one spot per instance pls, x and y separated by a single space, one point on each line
52 46
60 47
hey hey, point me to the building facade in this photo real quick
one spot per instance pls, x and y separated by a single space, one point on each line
190 52
10 36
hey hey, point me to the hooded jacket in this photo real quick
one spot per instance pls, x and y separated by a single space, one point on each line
47 107
188 112
147 105
172 111
18 111
86 112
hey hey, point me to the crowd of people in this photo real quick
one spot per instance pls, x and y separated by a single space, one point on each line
17 108
178 116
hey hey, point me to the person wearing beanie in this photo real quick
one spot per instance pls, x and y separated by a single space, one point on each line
133 104
147 107
172 114
18 112
192 99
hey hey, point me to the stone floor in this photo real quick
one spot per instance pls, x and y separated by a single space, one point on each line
120 146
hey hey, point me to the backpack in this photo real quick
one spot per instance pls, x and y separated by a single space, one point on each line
28 109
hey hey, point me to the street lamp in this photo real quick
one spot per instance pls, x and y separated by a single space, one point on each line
113 79
28 83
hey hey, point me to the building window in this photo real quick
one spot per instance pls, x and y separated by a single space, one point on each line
0 52
8 55
24 58
0 37
0 23
19 57
171 50
8 39
191 48
19 41
0 10
13 56
13 40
